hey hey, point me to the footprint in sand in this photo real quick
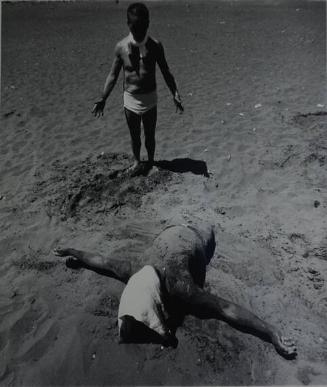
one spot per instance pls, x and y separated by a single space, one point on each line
315 157
9 114
305 374
316 278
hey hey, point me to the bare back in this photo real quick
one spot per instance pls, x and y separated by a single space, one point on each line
181 253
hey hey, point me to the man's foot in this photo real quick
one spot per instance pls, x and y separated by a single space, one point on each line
135 169
150 164
284 346
147 167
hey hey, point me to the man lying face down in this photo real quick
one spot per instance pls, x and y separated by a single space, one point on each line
167 284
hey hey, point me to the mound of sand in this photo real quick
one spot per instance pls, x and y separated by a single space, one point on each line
95 186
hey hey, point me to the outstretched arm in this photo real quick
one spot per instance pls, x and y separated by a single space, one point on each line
115 268
246 321
109 84
168 77
206 305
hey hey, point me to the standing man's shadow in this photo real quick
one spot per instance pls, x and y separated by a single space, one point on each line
198 167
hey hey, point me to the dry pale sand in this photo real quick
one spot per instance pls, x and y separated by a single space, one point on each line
252 77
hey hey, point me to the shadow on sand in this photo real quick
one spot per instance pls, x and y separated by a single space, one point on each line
133 331
198 167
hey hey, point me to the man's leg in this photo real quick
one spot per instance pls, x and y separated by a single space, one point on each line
116 268
149 120
134 126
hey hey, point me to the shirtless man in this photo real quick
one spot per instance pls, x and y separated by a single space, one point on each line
179 256
138 54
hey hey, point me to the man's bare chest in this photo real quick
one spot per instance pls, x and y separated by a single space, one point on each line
134 62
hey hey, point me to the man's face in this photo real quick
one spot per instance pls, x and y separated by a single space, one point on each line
138 27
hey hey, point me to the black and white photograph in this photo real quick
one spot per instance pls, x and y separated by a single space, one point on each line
163 193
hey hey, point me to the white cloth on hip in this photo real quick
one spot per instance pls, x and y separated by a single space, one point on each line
140 45
142 299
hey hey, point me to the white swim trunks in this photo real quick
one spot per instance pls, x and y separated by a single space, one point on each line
140 103
142 299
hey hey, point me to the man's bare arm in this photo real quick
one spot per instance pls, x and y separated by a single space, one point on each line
109 266
205 305
246 321
168 77
109 83
113 75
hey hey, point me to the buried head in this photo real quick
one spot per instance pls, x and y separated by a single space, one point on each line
204 230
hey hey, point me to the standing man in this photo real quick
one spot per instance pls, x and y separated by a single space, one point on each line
138 54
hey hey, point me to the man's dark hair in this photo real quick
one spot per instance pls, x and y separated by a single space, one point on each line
138 10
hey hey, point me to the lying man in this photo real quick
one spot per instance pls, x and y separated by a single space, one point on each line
166 284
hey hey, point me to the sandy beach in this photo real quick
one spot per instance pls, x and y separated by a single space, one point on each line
249 154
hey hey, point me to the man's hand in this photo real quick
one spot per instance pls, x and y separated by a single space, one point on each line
284 346
98 108
178 103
